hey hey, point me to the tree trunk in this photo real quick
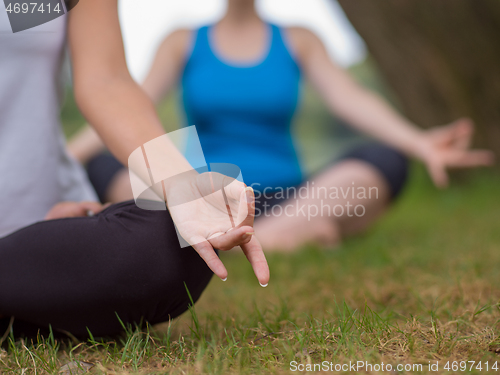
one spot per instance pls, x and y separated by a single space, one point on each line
441 58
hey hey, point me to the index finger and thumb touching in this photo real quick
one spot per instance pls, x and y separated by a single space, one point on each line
250 246
242 234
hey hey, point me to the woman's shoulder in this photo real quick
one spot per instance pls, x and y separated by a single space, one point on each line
181 40
300 40
178 38
176 44
301 36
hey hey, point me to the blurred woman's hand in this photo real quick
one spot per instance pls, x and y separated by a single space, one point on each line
74 209
213 211
449 147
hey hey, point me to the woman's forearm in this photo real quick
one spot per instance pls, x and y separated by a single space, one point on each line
372 115
360 108
119 110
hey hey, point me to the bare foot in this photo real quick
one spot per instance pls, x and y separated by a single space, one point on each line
284 234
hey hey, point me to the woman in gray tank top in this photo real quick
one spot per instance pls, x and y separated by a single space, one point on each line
35 171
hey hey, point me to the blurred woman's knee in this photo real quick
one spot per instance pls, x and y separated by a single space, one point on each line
391 163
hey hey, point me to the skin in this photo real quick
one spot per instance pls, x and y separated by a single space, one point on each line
241 37
124 118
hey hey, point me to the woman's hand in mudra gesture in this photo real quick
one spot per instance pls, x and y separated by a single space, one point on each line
449 147
213 211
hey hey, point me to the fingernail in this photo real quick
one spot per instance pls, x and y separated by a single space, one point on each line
263 285
224 279
250 233
249 188
90 213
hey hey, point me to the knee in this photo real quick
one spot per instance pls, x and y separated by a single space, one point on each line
389 162
173 276
177 285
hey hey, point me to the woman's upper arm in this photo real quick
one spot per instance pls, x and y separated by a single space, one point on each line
96 43
167 64
108 97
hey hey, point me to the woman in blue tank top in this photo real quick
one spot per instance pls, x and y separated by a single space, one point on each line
243 112
240 82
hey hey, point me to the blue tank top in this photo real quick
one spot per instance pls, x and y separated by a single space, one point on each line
243 113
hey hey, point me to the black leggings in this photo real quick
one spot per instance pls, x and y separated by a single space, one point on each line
79 273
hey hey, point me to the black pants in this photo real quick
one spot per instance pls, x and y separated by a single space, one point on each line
81 273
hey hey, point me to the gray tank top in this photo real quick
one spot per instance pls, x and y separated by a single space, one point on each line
35 170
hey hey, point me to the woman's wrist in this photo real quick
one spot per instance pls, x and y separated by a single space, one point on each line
409 139
420 146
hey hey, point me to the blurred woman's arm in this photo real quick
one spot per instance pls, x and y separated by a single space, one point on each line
369 113
85 144
167 65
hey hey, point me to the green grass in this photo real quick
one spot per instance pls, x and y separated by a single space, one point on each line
420 286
